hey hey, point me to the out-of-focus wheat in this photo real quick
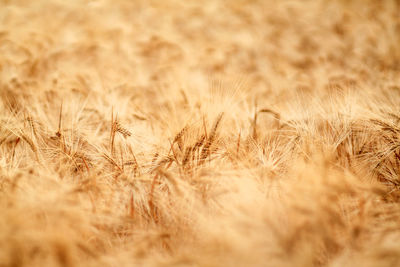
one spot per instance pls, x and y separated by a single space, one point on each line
242 133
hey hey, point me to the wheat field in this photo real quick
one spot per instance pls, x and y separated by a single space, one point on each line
199 133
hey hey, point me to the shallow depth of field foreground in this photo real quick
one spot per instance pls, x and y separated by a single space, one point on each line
199 133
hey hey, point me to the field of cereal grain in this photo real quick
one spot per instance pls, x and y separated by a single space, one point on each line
199 133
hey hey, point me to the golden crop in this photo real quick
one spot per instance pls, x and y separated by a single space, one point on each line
199 133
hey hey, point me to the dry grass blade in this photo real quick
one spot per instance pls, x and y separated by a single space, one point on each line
58 133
